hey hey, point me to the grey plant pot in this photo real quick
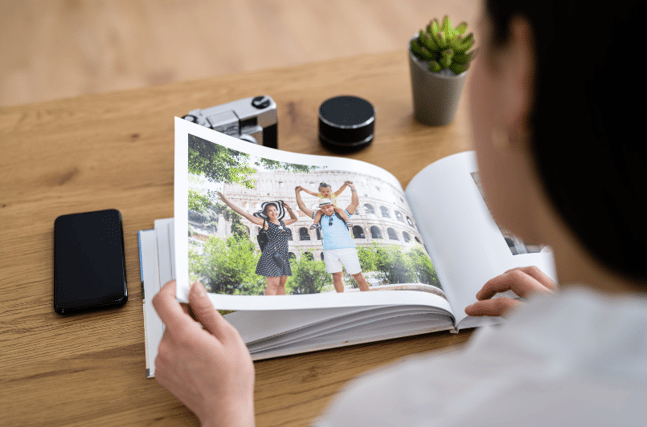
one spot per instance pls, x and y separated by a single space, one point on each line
435 96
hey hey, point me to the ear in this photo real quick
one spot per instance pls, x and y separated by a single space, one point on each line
518 66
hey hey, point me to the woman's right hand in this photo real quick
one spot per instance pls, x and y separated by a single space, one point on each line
206 365
523 281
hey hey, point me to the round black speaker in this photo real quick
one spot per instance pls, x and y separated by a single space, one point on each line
346 123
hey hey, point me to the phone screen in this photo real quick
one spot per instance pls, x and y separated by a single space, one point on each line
89 261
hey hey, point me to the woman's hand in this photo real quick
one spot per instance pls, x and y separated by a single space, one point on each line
208 367
523 281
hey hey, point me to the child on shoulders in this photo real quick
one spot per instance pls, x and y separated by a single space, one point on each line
325 192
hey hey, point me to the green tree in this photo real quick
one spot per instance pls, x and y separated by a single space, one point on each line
218 163
199 202
395 265
309 276
227 266
222 164
423 266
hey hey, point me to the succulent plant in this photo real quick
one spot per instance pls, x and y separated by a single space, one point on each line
444 46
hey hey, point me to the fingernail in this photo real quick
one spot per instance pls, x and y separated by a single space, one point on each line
199 289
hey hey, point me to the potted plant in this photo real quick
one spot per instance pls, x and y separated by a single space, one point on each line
438 60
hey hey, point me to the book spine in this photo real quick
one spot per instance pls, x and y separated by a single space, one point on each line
141 266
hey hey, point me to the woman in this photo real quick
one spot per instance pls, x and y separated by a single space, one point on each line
274 262
554 131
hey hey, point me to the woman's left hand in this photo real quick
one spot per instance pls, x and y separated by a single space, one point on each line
208 367
523 281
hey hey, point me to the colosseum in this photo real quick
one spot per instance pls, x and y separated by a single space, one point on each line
383 215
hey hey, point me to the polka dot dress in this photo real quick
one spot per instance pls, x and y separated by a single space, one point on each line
278 243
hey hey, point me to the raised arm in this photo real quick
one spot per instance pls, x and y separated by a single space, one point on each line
302 206
354 201
312 193
342 188
252 218
293 215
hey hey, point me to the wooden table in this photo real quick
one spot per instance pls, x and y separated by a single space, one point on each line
116 151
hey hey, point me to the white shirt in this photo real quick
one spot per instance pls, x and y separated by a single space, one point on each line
574 359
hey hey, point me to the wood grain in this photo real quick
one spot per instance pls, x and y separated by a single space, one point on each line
52 49
115 150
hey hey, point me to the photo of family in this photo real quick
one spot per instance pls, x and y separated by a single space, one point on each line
263 227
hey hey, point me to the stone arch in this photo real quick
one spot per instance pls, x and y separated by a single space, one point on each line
375 232
385 212
358 232
392 234
406 237
369 209
303 234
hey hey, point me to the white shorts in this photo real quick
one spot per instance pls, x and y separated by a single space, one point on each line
335 258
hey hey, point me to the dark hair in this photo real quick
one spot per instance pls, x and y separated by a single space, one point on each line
323 184
586 133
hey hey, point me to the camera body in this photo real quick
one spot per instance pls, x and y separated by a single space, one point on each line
250 119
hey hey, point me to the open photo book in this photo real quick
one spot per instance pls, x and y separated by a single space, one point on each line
348 255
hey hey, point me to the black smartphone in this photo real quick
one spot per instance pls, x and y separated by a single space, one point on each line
89 261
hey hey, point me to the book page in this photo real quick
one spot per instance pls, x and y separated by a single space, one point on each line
460 233
378 247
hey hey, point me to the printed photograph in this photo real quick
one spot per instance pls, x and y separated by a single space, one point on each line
515 244
264 227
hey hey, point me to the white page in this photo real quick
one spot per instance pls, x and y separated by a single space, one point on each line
171 245
385 332
164 250
154 328
465 243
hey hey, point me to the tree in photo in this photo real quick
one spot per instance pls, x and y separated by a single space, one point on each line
224 165
392 264
309 276
227 266
423 267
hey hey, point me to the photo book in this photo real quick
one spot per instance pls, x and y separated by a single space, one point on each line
348 256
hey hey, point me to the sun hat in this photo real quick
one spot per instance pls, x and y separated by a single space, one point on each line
278 204
324 202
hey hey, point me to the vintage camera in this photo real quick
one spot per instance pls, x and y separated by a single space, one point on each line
249 119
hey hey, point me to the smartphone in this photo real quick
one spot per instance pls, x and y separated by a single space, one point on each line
89 261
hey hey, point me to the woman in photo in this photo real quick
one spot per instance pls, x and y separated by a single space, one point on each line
274 263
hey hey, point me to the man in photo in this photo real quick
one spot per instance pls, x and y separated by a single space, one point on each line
339 249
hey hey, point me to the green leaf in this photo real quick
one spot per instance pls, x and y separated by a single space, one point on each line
434 66
429 43
458 68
